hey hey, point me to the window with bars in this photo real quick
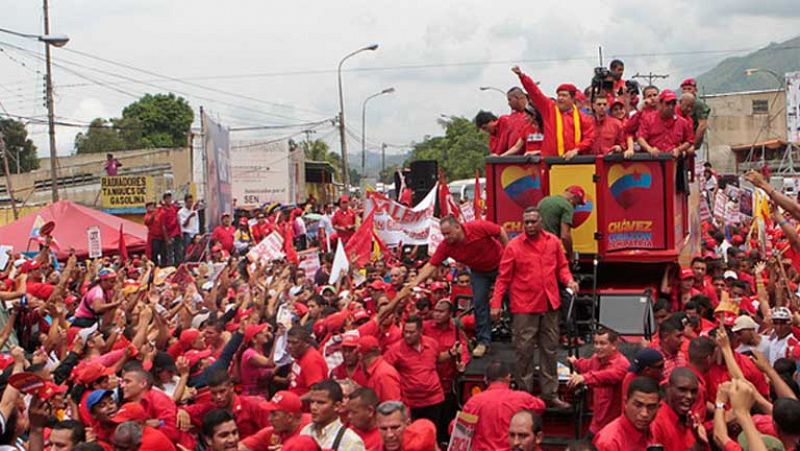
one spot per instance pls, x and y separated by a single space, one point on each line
760 107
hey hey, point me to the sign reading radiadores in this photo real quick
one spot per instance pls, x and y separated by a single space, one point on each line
126 193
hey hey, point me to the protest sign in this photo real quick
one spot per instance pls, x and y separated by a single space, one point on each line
126 193
463 430
719 204
270 248
396 223
309 262
434 237
93 238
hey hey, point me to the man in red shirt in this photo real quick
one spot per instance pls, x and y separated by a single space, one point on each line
647 363
675 426
159 407
500 130
220 432
702 282
262 228
603 372
349 368
415 359
172 229
567 131
532 265
132 416
608 134
650 106
286 420
671 344
155 234
361 408
631 430
309 367
495 406
344 220
666 131
382 377
479 245
251 412
223 233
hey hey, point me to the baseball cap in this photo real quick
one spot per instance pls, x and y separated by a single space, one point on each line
188 336
686 273
644 358
30 265
50 389
689 82
350 341
744 322
569 87
616 101
285 401
194 356
367 344
344 198
106 274
668 95
730 275
96 396
252 330
131 411
360 315
578 192
91 372
781 313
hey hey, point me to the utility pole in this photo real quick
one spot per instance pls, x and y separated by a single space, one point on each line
9 188
650 77
383 157
51 126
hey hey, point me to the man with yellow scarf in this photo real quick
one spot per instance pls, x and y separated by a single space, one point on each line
567 131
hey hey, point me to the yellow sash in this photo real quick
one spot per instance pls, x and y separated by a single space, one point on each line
576 120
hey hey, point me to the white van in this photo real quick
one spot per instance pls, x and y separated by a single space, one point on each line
464 190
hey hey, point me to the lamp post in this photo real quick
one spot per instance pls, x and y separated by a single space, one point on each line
343 140
364 128
56 40
754 70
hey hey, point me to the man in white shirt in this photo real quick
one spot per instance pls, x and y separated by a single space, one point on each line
746 330
189 219
782 340
327 430
325 223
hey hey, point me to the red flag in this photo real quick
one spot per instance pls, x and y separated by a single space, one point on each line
447 205
359 246
476 199
288 240
123 249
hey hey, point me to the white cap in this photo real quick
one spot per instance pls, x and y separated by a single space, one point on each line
294 291
781 313
744 322
730 275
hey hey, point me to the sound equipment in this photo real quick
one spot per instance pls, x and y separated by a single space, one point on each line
422 178
627 314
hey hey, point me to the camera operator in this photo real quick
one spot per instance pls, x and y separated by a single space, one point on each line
567 131
616 69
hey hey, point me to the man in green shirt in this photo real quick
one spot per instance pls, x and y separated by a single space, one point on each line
556 213
700 111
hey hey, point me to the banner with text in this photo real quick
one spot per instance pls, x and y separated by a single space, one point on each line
126 193
216 145
793 106
395 223
634 219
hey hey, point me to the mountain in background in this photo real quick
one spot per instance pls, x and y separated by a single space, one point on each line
730 76
373 160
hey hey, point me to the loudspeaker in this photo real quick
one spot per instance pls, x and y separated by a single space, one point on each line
423 176
627 314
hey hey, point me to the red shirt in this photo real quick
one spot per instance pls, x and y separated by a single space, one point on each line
494 407
261 230
665 134
531 269
607 134
547 108
169 216
670 431
386 336
621 435
671 362
604 377
154 439
39 289
480 250
341 373
417 368
250 412
307 371
224 236
159 406
445 336
371 438
344 219
631 126
501 139
154 225
718 374
522 129
384 380
266 437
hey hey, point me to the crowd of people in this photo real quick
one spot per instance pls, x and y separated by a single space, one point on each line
196 345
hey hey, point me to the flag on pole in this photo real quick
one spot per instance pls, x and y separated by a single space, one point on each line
447 205
340 264
123 249
359 246
477 205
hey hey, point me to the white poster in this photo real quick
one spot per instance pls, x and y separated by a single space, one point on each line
261 173
395 223
434 237
93 238
793 106
270 248
341 265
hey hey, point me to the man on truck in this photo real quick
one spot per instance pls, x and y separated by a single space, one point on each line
556 212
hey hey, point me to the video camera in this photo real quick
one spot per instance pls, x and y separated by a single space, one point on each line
602 80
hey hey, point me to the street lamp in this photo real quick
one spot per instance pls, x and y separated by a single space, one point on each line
492 88
345 168
754 70
364 128
56 40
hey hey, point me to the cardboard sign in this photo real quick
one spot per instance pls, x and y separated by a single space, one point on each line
95 245
126 193
309 262
395 223
719 204
463 430
435 237
270 248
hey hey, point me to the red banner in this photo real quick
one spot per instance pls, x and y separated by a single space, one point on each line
634 208
516 186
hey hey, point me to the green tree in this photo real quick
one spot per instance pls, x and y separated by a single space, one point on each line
165 119
20 150
101 136
318 150
459 152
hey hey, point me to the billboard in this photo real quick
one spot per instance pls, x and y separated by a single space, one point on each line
262 173
126 194
216 146
793 106
584 219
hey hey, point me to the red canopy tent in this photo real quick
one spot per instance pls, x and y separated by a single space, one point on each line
72 221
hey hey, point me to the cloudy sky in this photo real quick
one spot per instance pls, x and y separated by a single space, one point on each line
260 63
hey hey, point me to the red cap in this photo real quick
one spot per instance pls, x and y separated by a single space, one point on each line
572 89
188 337
300 308
419 436
194 356
617 100
50 389
368 343
251 330
360 314
438 286
686 273
689 82
667 95
5 361
90 372
344 198
379 285
580 96
285 401
350 341
578 192
30 265
130 411
737 240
